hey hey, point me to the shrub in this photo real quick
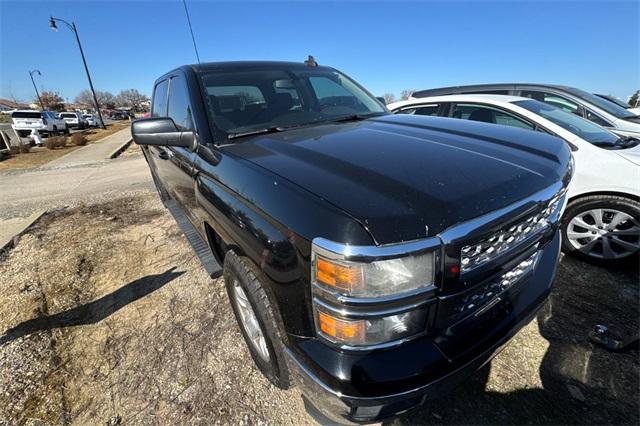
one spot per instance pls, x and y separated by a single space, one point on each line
24 148
79 139
54 142
14 149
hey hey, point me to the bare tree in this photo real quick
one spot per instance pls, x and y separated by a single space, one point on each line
406 94
634 99
105 99
389 98
131 98
51 100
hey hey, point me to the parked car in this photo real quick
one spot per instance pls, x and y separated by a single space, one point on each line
117 115
369 258
45 122
620 103
90 119
584 104
602 221
74 119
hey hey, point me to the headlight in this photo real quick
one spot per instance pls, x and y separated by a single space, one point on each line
366 296
372 278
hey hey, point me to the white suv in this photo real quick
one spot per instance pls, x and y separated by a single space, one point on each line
45 122
74 119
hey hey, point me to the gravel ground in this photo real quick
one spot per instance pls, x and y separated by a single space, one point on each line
107 317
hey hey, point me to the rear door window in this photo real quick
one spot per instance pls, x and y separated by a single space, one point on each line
489 114
159 106
431 109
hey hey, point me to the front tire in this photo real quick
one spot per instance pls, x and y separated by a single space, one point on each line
256 319
602 229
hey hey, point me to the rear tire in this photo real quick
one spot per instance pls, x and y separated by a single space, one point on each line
259 330
602 229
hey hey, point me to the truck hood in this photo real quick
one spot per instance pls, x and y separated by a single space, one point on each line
404 177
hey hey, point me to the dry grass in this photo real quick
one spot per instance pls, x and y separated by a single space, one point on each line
40 155
79 139
108 318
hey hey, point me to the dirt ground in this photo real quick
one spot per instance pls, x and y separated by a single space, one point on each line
40 155
107 318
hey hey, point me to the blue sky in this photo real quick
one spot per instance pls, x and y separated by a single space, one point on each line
385 45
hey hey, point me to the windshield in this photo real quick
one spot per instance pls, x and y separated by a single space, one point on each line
68 115
608 106
580 127
247 101
616 101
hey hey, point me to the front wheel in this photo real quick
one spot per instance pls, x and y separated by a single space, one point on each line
256 319
602 228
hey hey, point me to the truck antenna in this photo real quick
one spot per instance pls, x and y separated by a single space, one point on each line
184 2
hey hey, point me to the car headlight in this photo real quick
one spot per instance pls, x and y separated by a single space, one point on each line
372 278
359 290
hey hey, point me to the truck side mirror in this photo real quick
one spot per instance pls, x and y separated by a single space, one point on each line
161 131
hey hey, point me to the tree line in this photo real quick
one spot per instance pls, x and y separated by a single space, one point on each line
129 98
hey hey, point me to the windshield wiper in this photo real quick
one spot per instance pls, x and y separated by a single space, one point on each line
272 129
354 117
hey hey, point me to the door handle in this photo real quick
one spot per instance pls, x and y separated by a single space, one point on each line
164 154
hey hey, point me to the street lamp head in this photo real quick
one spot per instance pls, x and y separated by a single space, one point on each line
35 72
52 24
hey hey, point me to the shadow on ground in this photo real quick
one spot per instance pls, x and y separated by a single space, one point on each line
581 383
95 311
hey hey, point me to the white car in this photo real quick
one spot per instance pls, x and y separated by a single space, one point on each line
602 219
74 119
91 120
584 104
45 122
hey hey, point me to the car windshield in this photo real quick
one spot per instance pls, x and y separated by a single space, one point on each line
580 127
68 115
615 101
26 114
608 106
247 102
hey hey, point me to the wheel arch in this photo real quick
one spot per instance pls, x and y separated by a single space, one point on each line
610 193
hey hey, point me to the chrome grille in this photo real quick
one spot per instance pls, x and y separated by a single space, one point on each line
488 292
481 252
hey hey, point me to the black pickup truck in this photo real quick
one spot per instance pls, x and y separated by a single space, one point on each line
373 259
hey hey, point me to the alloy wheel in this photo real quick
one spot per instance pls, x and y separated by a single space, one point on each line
604 233
249 322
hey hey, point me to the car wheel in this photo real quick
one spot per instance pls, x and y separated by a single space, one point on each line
602 228
256 319
66 130
55 131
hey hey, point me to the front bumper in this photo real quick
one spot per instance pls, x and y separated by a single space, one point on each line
359 399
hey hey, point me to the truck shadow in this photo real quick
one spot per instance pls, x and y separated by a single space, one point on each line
94 311
581 383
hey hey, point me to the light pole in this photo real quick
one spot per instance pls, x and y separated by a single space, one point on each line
34 86
72 27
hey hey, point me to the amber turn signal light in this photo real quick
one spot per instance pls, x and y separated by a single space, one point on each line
346 331
340 277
